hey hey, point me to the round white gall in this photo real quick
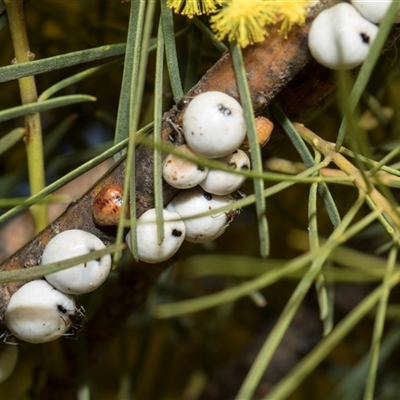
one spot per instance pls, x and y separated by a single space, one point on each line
149 250
82 278
213 124
224 182
374 10
181 173
38 313
340 37
189 203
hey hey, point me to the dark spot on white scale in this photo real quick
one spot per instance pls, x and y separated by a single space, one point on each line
176 233
223 110
207 196
61 309
365 38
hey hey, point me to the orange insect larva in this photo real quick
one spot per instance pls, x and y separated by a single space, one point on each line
107 205
264 129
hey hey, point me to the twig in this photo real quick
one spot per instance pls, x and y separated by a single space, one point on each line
328 150
289 167
33 129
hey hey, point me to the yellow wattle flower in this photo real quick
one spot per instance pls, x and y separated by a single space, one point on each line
244 21
292 12
190 8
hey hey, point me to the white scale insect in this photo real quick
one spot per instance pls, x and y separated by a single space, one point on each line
214 125
38 313
82 278
340 38
149 250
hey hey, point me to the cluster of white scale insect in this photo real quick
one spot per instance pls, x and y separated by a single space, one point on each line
214 127
44 310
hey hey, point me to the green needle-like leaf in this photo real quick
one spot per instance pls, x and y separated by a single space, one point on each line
255 151
63 101
35 67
